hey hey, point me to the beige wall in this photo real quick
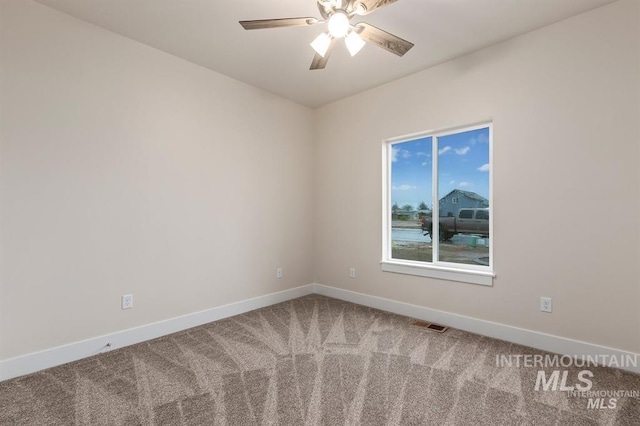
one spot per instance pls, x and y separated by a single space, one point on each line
127 170
564 102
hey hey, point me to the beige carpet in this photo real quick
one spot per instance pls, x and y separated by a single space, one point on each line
309 361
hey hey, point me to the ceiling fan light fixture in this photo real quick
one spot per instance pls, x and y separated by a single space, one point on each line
321 44
337 15
354 43
338 24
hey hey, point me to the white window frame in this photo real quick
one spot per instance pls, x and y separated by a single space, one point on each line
473 274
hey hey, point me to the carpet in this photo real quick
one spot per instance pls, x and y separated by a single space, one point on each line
313 361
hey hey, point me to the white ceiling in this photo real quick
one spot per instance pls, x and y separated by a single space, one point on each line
207 33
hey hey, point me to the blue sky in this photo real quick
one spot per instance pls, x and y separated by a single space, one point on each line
463 164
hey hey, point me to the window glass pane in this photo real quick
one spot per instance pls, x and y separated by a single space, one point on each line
463 175
411 199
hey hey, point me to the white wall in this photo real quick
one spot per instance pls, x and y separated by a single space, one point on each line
564 102
127 170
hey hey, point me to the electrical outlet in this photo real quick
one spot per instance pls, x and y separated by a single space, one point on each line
352 272
127 301
546 304
279 273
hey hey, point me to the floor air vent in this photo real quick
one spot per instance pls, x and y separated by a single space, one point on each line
430 326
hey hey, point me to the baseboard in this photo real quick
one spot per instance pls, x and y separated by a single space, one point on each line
534 339
37 361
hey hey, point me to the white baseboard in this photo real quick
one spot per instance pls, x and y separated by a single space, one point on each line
37 361
534 339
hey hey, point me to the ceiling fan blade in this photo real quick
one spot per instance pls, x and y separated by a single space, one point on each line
319 62
371 5
277 23
387 41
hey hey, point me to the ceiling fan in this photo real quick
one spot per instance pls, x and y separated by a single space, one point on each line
337 14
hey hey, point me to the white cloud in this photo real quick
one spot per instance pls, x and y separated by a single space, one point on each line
403 187
399 153
423 154
482 138
424 164
444 150
483 168
452 182
463 184
462 151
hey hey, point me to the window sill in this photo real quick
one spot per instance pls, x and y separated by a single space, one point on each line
442 273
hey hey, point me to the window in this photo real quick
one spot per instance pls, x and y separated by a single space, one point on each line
449 173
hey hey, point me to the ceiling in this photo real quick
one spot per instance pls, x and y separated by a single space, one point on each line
207 32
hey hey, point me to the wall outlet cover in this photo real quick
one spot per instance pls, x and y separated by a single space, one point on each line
127 301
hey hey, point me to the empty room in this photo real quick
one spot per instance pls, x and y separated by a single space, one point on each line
320 212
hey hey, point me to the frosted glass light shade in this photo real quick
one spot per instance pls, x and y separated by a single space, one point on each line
354 43
321 44
338 25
